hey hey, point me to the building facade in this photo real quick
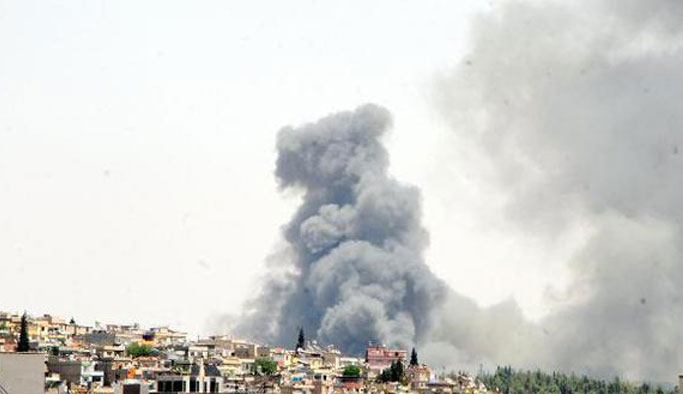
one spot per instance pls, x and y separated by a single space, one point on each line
22 373
380 357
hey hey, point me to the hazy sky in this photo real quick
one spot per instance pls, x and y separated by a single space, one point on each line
137 149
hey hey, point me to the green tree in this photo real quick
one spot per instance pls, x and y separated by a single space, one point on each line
136 351
508 381
395 373
301 341
264 366
351 371
23 345
384 376
413 358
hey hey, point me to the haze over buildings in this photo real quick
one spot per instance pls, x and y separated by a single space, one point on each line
543 142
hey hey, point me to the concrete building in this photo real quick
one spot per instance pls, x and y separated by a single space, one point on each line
76 372
131 386
419 376
100 337
323 383
69 370
200 379
380 357
22 373
282 357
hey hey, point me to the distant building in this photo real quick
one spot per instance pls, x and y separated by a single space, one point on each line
200 379
441 387
250 351
323 383
100 337
282 357
419 376
22 373
380 357
75 372
131 386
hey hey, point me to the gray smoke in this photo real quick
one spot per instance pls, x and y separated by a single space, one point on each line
574 112
576 109
352 270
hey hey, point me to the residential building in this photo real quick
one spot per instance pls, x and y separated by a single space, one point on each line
22 373
202 378
380 357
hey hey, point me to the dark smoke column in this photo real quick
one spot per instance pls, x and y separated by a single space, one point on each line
353 269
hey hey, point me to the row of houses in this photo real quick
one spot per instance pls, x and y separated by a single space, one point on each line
47 331
122 359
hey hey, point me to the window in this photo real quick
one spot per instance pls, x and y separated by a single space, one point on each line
164 386
131 389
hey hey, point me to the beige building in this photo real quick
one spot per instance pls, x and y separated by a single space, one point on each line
418 375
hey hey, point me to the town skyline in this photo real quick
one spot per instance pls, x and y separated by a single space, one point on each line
65 357
495 183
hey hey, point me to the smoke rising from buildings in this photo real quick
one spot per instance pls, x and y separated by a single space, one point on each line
573 113
352 270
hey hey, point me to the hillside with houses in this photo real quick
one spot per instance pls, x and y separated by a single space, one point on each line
110 358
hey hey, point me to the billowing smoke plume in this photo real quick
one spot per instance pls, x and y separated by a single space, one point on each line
577 111
352 271
574 111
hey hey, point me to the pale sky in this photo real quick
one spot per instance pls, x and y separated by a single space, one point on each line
137 149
